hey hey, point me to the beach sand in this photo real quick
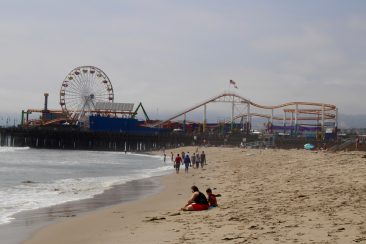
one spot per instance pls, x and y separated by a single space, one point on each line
268 196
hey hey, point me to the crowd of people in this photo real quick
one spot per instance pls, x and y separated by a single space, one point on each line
196 161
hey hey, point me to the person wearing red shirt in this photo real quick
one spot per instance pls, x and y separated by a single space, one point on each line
177 163
211 198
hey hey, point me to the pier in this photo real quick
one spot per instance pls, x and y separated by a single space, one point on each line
78 139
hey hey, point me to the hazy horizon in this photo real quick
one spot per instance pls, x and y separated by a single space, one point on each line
170 55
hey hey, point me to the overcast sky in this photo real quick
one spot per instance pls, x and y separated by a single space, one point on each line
173 54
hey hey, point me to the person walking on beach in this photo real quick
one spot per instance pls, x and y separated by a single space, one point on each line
177 163
190 162
172 156
164 157
187 161
198 160
193 160
197 202
203 159
183 155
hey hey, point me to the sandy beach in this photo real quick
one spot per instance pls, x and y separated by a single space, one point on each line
268 196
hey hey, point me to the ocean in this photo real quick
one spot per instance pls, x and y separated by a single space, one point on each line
31 179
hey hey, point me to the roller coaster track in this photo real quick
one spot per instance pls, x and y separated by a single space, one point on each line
239 99
280 118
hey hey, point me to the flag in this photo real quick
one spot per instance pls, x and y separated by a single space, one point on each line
233 83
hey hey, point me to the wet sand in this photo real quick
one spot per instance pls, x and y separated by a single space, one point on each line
26 223
268 196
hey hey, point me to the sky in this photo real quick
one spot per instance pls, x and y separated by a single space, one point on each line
170 55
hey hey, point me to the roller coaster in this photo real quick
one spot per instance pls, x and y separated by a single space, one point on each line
296 116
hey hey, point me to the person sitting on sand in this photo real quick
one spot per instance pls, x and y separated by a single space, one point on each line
197 202
211 198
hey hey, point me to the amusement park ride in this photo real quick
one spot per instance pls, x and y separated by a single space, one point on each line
87 92
296 116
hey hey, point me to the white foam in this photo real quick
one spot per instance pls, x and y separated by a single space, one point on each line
30 196
147 155
12 149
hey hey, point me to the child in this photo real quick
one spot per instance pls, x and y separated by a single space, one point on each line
211 198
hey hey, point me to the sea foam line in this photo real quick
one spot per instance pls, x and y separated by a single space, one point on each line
31 196
12 149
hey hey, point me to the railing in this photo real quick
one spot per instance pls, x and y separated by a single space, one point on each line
342 146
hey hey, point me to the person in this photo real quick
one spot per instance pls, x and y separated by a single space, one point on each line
193 159
172 156
190 162
183 155
211 198
197 202
198 160
164 157
357 143
203 158
177 162
187 161
187 154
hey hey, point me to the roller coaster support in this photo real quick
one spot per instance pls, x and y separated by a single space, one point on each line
296 111
323 132
248 112
184 122
272 115
232 113
204 118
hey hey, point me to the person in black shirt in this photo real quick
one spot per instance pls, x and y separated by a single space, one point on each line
197 202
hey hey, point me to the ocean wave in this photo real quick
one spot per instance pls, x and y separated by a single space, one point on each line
31 196
146 155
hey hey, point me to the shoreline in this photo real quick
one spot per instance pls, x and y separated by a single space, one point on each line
122 211
268 196
26 223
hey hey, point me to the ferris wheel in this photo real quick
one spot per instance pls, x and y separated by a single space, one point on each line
82 88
